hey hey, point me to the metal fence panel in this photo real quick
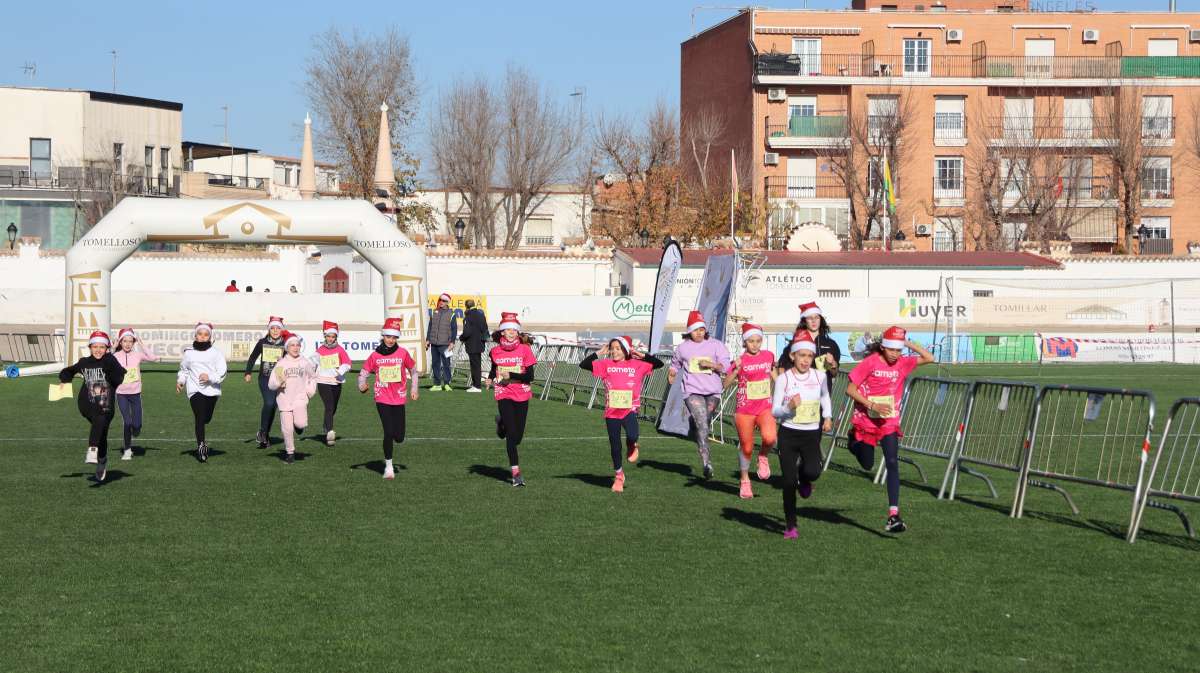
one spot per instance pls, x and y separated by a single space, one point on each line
32 348
931 415
1175 472
994 431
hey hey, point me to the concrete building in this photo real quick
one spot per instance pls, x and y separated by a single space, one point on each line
980 88
64 152
561 217
242 168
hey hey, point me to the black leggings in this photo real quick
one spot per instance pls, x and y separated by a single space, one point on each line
267 417
630 425
131 414
202 411
98 430
865 453
800 458
330 394
392 417
476 360
513 415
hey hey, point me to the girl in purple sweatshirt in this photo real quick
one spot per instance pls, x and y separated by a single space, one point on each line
701 361
294 378
131 354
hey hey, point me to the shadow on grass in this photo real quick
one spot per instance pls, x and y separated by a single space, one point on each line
835 516
775 524
192 452
497 473
113 475
298 456
377 466
693 479
1178 541
139 450
590 479
763 522
673 468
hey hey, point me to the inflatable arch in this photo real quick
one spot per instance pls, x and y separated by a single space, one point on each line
91 261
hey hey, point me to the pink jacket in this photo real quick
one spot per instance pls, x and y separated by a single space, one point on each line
301 376
132 361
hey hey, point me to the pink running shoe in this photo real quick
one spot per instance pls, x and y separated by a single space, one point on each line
805 489
764 468
619 482
790 534
745 493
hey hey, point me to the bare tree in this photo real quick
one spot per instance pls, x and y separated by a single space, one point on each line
348 77
465 135
702 130
1126 152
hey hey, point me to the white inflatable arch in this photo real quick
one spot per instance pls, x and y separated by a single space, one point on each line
91 261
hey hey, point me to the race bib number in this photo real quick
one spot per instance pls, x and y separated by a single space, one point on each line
330 361
61 391
390 374
882 399
758 390
819 362
503 371
807 412
694 365
272 354
620 399
133 375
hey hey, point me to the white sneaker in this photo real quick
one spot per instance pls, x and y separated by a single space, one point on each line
389 473
127 454
330 437
90 458
473 389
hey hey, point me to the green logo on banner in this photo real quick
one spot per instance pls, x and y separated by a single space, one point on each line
625 308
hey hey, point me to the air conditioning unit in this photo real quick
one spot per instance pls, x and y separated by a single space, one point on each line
771 158
1091 35
924 230
954 35
776 94
1194 35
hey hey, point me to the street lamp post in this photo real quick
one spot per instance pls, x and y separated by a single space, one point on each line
12 235
460 228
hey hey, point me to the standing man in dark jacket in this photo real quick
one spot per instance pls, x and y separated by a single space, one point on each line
474 337
443 331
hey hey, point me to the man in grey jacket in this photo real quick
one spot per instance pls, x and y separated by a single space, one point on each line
443 331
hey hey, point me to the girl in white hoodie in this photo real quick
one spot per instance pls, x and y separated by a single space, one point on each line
201 372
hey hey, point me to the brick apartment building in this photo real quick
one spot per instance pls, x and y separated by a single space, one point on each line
1000 124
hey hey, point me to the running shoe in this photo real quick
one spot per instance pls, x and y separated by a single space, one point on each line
289 458
791 533
101 470
389 473
517 479
263 440
708 471
632 454
90 456
895 524
746 492
202 452
804 488
473 389
330 437
619 482
127 454
500 430
764 468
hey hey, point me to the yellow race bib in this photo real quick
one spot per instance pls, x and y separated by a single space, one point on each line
882 399
330 361
61 391
620 399
807 412
133 375
819 363
508 369
390 374
694 365
758 390
271 354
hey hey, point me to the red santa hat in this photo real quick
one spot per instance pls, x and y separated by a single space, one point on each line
809 308
275 321
329 327
749 329
206 326
126 332
445 296
392 327
99 337
509 321
803 342
289 337
894 337
626 344
695 321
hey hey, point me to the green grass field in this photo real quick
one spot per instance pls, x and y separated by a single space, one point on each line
247 564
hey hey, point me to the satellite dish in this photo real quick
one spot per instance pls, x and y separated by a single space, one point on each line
813 237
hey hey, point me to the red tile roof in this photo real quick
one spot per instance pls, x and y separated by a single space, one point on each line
863 258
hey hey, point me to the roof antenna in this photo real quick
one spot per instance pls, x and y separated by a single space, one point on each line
30 69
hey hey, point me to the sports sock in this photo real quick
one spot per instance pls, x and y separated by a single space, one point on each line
893 511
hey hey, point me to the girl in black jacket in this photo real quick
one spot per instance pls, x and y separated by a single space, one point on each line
828 354
97 398
270 349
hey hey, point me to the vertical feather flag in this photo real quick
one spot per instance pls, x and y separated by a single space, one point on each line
889 188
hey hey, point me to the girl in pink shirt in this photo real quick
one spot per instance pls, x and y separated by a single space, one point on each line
623 371
394 371
294 379
512 376
332 363
876 386
131 354
754 372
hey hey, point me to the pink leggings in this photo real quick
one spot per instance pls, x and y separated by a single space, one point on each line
291 422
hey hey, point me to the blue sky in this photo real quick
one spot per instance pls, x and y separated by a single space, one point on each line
250 55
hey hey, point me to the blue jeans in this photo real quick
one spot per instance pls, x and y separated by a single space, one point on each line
441 365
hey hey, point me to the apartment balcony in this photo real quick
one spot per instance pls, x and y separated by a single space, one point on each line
949 129
1082 191
806 187
1158 191
538 241
1023 70
948 192
1157 246
82 181
800 131
1158 131
1094 225
217 186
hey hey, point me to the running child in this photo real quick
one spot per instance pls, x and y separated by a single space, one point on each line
393 368
801 403
623 371
332 363
829 355
702 361
102 375
754 373
511 376
294 381
201 372
876 386
131 354
270 349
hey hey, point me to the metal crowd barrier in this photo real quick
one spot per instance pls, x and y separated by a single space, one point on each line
931 415
1175 472
1085 435
32 348
993 432
563 372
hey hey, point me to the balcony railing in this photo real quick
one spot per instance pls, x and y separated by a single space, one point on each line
90 179
539 240
965 65
822 126
948 188
1158 128
247 182
806 187
1158 187
949 126
1157 246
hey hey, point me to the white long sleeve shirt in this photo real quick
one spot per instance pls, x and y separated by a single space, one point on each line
195 363
812 390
